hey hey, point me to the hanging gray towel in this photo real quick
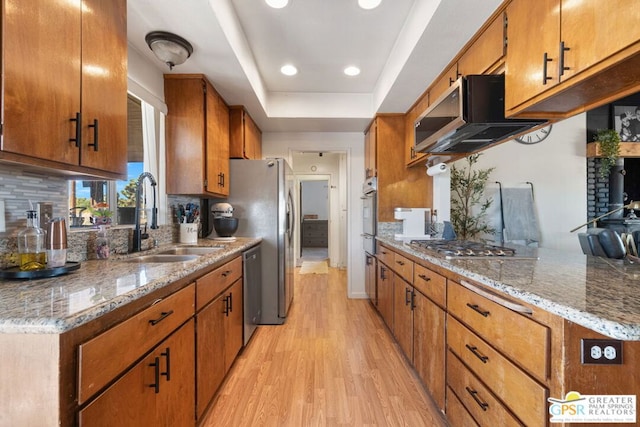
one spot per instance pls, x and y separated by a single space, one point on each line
520 219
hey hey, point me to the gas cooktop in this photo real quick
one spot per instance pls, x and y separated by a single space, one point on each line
457 249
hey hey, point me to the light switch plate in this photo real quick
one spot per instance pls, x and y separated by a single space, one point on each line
44 211
3 227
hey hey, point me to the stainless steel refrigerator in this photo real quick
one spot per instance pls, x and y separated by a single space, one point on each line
261 193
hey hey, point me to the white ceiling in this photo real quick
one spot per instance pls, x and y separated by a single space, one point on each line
240 45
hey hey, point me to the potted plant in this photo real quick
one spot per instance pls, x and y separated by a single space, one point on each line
101 216
609 143
467 190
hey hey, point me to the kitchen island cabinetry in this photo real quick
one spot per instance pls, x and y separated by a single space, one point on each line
218 328
245 137
64 96
583 55
197 137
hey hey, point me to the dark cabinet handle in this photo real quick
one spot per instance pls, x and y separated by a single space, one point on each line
400 262
167 355
226 306
156 375
477 309
561 67
413 300
221 179
78 138
474 394
413 153
382 270
407 292
230 302
476 353
369 260
226 273
163 316
424 277
545 62
94 144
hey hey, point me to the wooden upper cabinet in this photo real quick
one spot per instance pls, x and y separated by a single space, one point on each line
533 33
443 83
197 142
411 156
56 69
594 30
104 86
591 50
245 137
370 144
486 53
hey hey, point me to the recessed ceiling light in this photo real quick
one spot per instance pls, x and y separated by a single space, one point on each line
369 4
289 70
277 4
352 71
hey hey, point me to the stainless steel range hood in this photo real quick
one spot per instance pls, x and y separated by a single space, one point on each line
467 117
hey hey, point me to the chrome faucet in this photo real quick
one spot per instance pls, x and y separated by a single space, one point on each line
138 236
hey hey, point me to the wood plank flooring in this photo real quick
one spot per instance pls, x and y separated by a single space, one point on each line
332 363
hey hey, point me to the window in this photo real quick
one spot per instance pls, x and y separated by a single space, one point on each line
143 124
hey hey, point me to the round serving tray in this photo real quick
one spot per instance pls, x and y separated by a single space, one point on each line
16 273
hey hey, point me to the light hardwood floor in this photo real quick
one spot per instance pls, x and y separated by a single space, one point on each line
332 363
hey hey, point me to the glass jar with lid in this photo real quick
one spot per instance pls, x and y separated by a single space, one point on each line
31 245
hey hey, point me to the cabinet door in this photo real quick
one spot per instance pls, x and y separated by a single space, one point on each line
429 345
594 30
403 315
210 351
41 78
217 143
158 390
370 279
104 86
443 83
486 51
370 141
533 31
385 294
233 324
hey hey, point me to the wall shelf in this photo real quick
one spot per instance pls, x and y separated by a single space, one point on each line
627 149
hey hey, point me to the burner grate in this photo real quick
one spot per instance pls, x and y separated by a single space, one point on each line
462 248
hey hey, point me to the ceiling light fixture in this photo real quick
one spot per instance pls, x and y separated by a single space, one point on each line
289 70
277 4
352 71
169 48
369 4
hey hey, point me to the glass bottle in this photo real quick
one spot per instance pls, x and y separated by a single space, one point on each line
31 245
102 243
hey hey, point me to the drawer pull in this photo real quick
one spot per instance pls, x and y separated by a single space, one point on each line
400 262
156 375
476 353
167 355
477 309
226 273
474 394
424 277
163 315
497 299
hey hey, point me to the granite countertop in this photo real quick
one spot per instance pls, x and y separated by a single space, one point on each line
58 304
600 294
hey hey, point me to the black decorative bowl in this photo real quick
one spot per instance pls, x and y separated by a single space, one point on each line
225 227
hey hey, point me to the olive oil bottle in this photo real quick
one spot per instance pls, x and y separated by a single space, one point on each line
31 245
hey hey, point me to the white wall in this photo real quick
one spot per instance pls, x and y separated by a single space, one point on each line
557 168
284 144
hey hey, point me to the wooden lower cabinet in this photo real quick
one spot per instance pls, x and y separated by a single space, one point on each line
219 340
385 294
403 315
158 390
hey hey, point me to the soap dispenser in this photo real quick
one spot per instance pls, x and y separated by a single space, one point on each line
31 245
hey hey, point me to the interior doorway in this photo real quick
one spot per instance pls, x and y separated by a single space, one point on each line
326 170
314 218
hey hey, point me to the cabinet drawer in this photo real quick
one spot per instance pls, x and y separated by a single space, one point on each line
521 338
385 255
211 284
476 397
431 284
403 266
104 357
457 415
521 394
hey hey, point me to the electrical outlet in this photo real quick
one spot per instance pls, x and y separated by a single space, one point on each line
3 227
601 352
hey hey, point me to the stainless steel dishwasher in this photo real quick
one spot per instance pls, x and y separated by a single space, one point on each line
252 287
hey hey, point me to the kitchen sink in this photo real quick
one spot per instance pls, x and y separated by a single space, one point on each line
190 250
165 257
